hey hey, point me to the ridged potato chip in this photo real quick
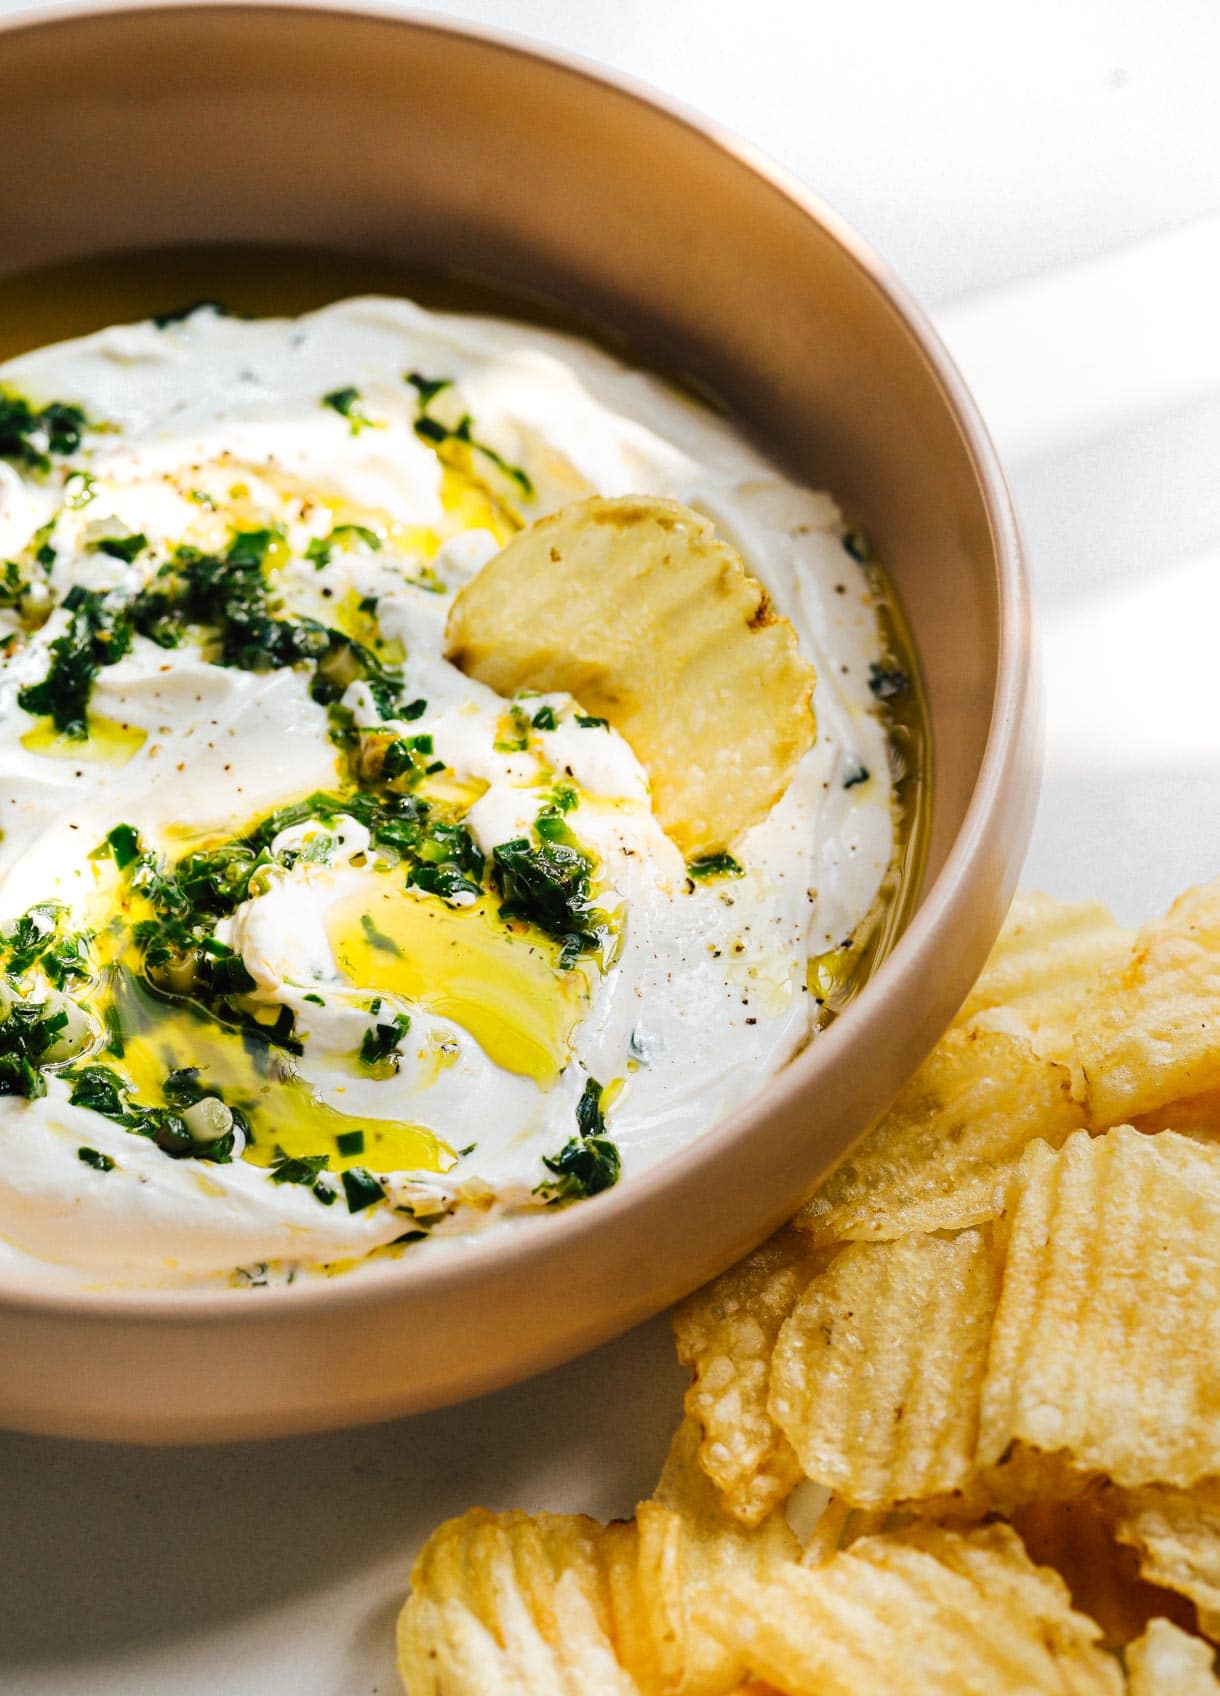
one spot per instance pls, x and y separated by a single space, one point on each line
1150 1032
688 1544
1166 1661
1176 1534
1046 960
1106 1342
726 1334
944 1154
637 609
916 1613
876 1374
509 1605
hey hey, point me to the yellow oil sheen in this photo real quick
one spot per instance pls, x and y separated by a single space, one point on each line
464 964
108 742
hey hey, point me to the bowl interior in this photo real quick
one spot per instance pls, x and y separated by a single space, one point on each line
159 127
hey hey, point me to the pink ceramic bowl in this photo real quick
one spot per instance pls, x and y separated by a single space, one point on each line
344 127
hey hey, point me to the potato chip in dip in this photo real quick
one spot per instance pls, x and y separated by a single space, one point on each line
317 942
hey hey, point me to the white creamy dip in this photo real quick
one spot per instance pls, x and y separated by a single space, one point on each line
436 1052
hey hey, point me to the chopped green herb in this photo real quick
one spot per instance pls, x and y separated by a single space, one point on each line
713 865
858 774
886 682
583 1169
33 436
316 999
350 1142
587 721
298 1169
319 550
104 1092
437 434
27 937
27 1031
125 548
544 719
377 938
91 1157
347 403
124 843
590 1120
547 886
361 1188
589 1162
99 633
381 1043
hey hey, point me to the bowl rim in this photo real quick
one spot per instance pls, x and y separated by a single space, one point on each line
460 1261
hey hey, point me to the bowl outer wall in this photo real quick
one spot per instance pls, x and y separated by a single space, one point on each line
148 126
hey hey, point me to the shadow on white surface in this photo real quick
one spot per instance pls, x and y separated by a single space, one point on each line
123 1555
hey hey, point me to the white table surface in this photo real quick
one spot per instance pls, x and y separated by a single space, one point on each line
1047 179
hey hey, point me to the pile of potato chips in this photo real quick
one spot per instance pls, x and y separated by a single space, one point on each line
983 1363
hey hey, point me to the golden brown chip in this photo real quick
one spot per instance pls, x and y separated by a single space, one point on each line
1106 1342
1047 958
918 1612
687 1544
726 1333
1150 1032
509 1605
637 609
1169 1662
1176 1534
876 1374
944 1154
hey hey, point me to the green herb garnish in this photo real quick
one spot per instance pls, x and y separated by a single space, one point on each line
548 886
347 403
99 633
91 1157
381 1044
361 1188
589 1162
33 436
437 434
887 681
713 865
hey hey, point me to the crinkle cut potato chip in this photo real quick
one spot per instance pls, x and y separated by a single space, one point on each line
1106 1342
1150 1032
638 610
688 1544
944 1154
726 1333
1048 957
1167 1661
1176 1534
876 1375
514 1605
509 1605
924 1612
